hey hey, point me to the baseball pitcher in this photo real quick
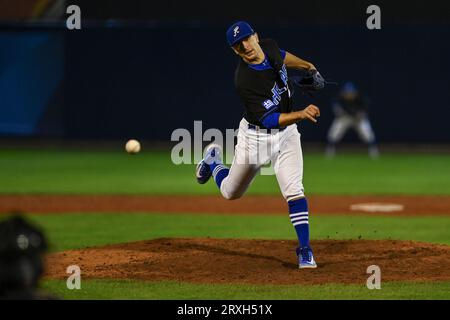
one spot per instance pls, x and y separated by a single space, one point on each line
268 130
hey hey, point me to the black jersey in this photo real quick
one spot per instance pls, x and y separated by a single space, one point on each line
352 106
264 88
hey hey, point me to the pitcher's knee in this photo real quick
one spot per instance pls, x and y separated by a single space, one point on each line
232 194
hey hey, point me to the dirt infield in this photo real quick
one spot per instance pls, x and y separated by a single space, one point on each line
388 205
255 261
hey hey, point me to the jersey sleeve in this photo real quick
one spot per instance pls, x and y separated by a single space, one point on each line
283 54
272 120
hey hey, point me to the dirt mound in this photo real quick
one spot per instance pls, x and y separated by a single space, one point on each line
256 261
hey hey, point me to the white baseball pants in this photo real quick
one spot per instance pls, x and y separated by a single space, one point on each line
256 148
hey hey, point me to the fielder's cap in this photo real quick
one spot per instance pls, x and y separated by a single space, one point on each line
238 31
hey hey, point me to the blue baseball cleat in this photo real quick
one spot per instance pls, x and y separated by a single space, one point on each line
203 170
305 258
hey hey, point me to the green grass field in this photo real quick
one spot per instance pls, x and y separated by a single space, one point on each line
51 171
96 289
86 172
101 229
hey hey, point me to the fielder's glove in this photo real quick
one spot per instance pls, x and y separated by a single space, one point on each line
311 81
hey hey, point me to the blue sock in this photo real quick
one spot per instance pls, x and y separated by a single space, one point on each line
219 172
298 212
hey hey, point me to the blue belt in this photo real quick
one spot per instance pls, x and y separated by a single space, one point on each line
257 128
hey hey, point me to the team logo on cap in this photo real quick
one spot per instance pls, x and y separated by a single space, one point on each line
236 31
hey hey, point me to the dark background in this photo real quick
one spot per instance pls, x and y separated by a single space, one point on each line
141 70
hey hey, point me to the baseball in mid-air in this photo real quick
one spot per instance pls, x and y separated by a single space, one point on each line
133 146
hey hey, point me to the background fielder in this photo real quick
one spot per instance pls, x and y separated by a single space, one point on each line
351 111
267 131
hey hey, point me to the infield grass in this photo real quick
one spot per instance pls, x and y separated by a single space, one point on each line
70 231
85 172
104 289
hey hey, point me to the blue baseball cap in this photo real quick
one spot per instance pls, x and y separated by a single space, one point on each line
238 31
349 87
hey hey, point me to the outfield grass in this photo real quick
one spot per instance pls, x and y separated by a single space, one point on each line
70 231
96 289
51 171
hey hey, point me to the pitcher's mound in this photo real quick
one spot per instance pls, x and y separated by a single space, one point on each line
256 261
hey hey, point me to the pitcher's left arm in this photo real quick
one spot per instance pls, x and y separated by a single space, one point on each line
293 62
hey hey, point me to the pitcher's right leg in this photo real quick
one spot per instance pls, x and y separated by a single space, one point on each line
234 181
237 181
